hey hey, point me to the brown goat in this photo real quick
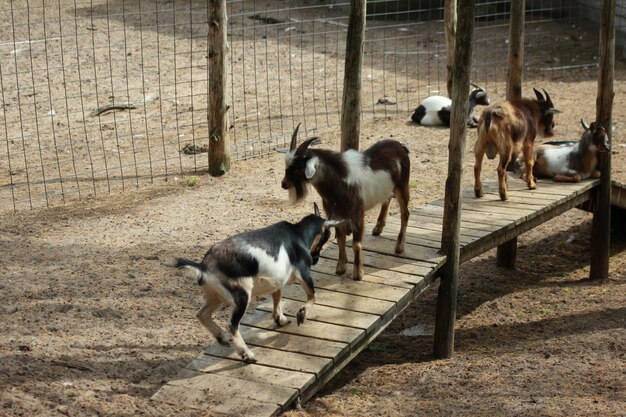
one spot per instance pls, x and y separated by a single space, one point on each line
350 183
505 128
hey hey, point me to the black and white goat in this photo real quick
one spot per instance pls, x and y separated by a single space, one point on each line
350 183
436 110
509 128
259 262
572 161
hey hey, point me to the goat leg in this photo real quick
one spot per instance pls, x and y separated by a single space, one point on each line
277 310
382 218
342 261
307 285
478 166
241 298
357 248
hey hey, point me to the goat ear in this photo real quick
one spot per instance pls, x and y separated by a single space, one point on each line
294 138
311 167
539 95
552 110
481 94
584 125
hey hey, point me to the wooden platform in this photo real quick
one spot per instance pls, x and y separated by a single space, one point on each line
294 362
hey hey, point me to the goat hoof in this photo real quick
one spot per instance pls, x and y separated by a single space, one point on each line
222 341
399 248
281 321
248 358
478 193
301 316
340 270
377 230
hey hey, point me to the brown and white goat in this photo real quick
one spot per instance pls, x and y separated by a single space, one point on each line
571 161
259 262
350 183
505 128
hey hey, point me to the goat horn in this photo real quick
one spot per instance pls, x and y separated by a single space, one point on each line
316 209
539 95
585 125
475 86
294 138
548 98
305 145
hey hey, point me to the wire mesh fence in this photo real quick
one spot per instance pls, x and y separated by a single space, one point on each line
100 96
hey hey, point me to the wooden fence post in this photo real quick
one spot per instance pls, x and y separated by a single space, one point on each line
219 158
351 107
450 236
601 225
449 23
506 253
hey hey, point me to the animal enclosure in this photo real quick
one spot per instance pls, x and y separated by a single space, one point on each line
104 96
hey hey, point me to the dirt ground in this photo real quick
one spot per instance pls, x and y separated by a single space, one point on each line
93 323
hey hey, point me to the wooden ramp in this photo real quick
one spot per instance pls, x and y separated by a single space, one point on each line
294 361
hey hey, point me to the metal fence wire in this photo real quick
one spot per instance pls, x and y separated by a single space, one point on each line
100 96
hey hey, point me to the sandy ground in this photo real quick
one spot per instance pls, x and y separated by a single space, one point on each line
93 323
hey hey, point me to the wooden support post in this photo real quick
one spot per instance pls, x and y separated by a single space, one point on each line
506 254
219 158
601 225
351 107
449 23
450 236
516 50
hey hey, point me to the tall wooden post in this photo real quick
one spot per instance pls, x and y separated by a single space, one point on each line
450 236
449 23
601 225
351 107
506 253
219 159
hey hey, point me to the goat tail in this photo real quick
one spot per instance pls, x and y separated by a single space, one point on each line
199 268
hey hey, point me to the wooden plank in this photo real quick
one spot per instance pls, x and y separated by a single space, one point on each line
292 343
310 328
380 276
223 394
423 222
251 372
340 300
364 289
325 314
469 213
340 364
382 261
291 361
470 226
426 235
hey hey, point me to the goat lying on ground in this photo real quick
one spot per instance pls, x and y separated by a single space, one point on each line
350 183
259 262
572 161
504 128
436 110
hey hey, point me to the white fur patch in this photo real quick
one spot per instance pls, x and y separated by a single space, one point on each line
557 159
432 105
376 186
275 272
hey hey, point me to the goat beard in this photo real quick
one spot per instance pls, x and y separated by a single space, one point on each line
298 192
